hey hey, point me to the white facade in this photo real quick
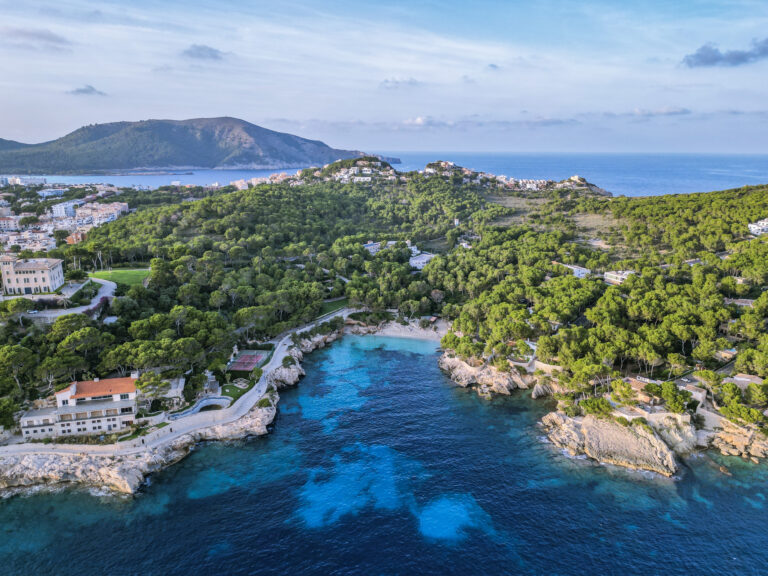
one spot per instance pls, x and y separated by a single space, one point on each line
91 407
617 277
578 271
421 260
758 228
65 209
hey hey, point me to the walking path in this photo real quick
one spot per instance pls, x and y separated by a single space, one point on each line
186 425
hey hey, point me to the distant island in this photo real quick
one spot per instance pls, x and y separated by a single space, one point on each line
201 143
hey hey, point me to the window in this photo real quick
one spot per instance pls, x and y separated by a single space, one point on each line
128 410
65 402
123 396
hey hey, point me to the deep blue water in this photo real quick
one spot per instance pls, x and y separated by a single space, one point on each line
621 174
379 465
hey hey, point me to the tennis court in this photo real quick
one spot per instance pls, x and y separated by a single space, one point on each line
246 361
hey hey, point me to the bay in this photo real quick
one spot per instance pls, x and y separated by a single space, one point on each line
620 174
378 464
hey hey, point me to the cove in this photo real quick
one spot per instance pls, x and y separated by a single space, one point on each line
378 464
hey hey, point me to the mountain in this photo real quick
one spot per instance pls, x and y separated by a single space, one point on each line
202 143
10 145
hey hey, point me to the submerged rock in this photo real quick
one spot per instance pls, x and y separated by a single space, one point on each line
607 441
485 378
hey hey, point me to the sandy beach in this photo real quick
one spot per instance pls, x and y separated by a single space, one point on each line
435 332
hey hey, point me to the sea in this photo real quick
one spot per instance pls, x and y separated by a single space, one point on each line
620 174
377 464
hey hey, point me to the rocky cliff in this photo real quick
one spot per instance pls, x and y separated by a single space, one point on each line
607 441
485 379
124 472
734 440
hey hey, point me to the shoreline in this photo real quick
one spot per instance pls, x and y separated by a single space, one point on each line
125 469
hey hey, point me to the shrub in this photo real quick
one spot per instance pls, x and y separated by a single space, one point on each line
596 406
621 420
264 403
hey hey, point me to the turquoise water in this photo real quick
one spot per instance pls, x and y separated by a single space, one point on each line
377 464
621 174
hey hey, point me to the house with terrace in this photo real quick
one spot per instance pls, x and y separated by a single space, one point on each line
84 408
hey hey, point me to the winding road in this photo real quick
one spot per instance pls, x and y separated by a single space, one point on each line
185 425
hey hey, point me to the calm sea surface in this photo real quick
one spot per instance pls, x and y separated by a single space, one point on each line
379 465
621 174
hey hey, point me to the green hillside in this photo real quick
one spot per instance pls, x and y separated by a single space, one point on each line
199 143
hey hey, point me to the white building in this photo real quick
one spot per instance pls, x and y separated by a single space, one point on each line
52 192
617 277
421 260
9 223
88 407
65 209
578 271
32 276
758 228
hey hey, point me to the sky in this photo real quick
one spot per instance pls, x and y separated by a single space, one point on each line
415 75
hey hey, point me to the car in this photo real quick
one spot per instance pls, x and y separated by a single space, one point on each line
686 380
33 312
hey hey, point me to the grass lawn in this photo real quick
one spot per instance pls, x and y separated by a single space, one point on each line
329 307
234 392
128 277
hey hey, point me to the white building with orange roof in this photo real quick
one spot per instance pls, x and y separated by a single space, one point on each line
85 408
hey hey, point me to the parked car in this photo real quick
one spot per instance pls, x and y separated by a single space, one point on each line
33 311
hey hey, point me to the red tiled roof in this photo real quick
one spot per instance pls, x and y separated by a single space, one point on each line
90 388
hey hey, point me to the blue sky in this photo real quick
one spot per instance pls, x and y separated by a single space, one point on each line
551 75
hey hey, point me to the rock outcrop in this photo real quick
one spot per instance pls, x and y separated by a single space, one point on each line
735 440
124 472
677 432
307 345
486 379
546 388
284 376
607 441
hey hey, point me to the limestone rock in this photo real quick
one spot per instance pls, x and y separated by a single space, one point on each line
284 376
677 432
607 441
735 440
549 388
124 472
484 378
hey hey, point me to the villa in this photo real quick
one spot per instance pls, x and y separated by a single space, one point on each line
578 271
617 277
87 407
30 276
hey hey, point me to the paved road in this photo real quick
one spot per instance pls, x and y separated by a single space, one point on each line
185 425
107 289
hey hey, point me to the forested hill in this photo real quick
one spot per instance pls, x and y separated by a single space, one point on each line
10 145
199 143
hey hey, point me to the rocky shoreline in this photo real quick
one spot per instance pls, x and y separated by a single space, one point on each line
656 446
607 441
653 447
125 473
